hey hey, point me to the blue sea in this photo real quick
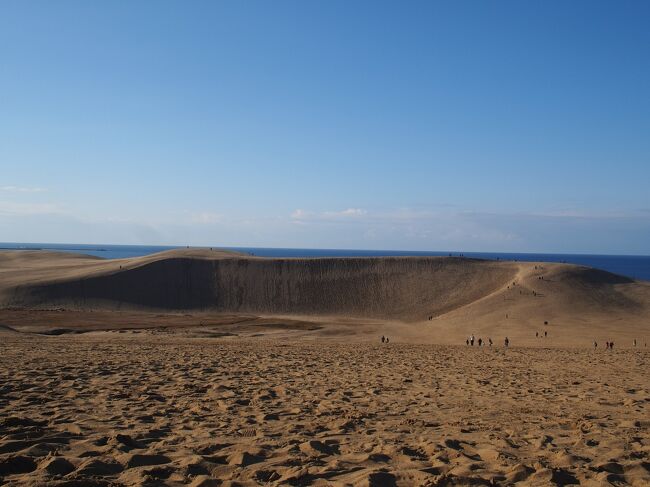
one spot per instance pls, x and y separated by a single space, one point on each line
634 266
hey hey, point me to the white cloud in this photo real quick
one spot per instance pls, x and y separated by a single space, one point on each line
204 218
350 212
21 189
303 215
10 208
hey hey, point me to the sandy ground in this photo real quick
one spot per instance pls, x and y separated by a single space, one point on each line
152 408
209 368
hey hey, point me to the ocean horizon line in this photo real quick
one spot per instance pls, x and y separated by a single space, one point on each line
632 266
105 247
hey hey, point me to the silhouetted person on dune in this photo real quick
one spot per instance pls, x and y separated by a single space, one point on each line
506 341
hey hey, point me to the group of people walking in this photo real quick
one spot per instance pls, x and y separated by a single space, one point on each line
610 345
471 339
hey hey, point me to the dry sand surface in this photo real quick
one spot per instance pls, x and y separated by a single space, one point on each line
214 368
145 408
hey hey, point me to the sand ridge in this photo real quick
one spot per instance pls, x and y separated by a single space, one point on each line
396 287
401 288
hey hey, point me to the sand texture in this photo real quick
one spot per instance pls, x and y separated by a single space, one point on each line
198 367
144 409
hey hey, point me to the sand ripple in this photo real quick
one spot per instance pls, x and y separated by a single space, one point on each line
144 411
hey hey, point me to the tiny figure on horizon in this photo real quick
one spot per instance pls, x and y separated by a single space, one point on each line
545 334
383 339
635 342
387 340
611 345
536 334
595 344
490 341
471 340
506 341
480 342
467 341
606 345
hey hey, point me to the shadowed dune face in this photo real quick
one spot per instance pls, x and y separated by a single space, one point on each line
461 294
405 288
578 289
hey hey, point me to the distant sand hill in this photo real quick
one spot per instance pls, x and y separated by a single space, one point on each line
397 287
404 288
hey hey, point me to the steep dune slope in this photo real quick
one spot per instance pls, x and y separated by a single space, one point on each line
456 291
406 288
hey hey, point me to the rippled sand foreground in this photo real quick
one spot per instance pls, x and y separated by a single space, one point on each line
132 409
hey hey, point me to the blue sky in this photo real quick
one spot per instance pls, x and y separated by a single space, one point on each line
464 125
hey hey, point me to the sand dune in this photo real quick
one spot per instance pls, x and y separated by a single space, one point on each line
206 368
407 288
431 299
